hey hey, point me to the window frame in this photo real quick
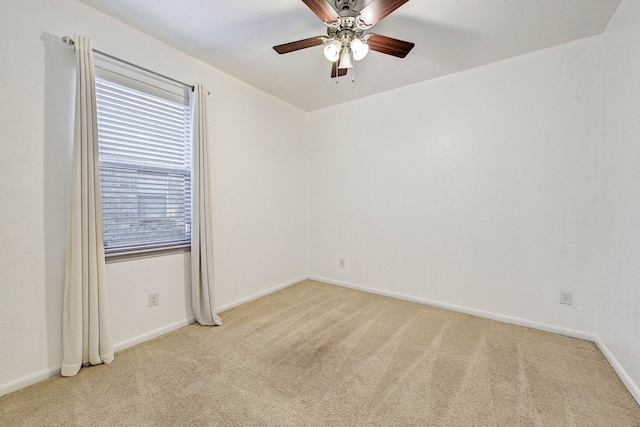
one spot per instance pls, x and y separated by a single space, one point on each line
132 78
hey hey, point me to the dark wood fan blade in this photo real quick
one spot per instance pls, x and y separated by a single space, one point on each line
323 9
337 72
378 9
300 44
389 45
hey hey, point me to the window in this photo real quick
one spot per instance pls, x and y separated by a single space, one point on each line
145 164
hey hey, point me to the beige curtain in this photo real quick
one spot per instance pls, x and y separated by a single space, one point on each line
86 338
202 293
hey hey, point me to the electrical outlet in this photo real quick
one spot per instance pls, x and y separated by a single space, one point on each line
154 298
341 262
566 298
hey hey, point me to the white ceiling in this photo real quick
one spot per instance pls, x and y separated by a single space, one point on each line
450 36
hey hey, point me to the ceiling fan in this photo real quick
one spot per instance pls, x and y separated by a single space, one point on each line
346 40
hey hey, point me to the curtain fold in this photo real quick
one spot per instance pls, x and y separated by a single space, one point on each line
202 292
86 336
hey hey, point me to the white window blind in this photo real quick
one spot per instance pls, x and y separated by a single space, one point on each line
145 166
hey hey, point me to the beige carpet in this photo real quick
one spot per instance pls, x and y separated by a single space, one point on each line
318 355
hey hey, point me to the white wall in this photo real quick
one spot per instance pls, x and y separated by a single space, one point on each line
476 190
260 226
619 195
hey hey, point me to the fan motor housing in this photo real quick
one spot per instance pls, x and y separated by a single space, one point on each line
345 4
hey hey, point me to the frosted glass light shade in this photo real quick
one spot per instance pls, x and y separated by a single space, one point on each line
332 51
346 59
359 49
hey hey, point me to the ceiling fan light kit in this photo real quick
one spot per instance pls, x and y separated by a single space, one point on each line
346 59
332 50
359 48
346 40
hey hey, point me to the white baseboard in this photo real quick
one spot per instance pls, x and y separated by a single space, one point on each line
55 371
28 380
466 310
628 382
259 295
626 379
152 334
182 323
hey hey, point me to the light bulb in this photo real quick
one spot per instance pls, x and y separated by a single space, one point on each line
346 59
332 51
359 49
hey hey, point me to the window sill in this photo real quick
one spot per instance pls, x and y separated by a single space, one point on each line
144 253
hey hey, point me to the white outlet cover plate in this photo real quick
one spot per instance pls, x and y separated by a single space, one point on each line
566 298
154 298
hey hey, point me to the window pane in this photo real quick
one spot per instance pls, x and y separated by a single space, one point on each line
145 168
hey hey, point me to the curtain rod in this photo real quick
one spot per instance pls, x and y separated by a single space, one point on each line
68 40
